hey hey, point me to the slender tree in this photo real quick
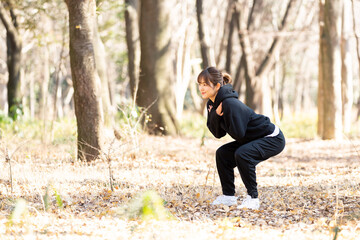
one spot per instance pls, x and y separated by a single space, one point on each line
224 39
186 32
242 67
357 39
14 47
248 61
320 95
203 38
229 47
87 87
155 84
133 43
329 104
101 67
346 69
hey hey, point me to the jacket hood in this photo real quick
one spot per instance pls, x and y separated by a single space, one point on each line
224 92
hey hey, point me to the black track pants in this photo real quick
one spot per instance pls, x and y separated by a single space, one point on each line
245 158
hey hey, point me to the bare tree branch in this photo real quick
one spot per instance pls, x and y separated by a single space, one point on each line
8 23
266 64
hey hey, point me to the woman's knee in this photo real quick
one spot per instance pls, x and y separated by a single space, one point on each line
224 156
241 154
221 152
243 157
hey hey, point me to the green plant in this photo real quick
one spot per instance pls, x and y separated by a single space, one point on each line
22 127
194 125
16 112
58 199
148 205
64 131
4 120
47 196
299 126
46 199
19 212
130 117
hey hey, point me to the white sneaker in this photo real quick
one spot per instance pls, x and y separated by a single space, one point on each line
250 203
226 200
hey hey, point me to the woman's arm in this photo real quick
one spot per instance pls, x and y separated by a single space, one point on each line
236 118
214 122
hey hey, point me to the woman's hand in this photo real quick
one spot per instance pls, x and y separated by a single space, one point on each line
219 110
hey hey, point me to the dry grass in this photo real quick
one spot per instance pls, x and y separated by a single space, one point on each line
306 192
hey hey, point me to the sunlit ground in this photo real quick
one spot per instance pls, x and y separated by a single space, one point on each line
310 191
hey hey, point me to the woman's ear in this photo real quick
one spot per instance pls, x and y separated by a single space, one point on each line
217 87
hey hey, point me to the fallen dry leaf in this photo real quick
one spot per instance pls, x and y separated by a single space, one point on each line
305 192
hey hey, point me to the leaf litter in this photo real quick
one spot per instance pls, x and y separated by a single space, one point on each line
311 190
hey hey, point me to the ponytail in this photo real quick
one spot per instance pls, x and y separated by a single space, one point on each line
226 78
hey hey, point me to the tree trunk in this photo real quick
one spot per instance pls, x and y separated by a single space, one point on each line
229 50
320 95
357 38
44 108
32 96
346 69
14 47
101 68
133 44
238 74
276 88
193 87
87 93
282 86
251 82
300 85
241 69
156 91
330 75
57 88
183 64
203 38
225 34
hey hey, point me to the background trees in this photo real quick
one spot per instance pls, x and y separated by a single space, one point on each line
276 52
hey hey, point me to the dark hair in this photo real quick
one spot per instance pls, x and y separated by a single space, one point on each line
213 75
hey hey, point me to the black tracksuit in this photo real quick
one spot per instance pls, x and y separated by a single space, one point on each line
251 145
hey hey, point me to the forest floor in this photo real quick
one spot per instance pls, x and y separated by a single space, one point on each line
310 191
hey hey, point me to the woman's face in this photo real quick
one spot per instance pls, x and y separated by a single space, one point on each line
208 91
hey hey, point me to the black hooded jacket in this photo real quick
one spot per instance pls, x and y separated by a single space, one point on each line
238 120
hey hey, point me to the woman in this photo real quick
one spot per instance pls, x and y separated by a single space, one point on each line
256 138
